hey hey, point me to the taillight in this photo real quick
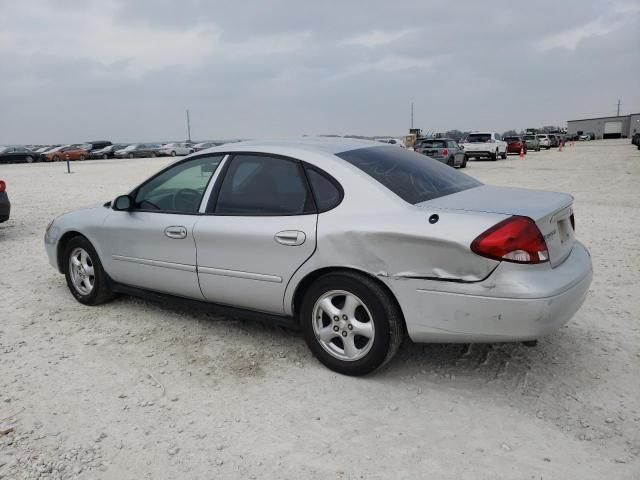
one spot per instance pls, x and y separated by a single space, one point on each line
445 152
516 239
573 222
3 186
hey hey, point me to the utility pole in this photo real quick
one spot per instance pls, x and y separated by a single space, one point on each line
618 114
188 127
412 115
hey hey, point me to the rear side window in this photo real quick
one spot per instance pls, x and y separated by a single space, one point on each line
264 185
413 177
326 191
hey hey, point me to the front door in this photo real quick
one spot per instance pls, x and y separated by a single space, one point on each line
260 227
153 247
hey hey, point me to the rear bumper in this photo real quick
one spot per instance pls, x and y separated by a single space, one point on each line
515 303
479 153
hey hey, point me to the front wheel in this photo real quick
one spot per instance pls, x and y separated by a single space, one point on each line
105 156
503 155
131 155
493 156
350 323
173 154
82 157
84 273
29 159
464 162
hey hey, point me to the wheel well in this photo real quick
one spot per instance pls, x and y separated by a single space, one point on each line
307 281
62 246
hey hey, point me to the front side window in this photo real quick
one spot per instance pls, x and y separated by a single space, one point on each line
413 177
178 189
263 185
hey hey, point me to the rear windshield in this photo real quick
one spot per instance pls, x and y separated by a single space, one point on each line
433 144
413 177
511 139
529 137
479 137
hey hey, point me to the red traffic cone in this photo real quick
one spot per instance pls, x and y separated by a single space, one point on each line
521 153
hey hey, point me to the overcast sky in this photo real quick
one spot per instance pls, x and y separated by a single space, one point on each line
76 70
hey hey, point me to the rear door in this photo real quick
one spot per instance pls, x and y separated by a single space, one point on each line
259 228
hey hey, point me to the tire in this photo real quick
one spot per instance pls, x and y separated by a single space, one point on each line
548 148
374 306
538 149
503 155
79 281
493 156
81 158
464 162
105 156
131 155
56 158
173 154
451 162
28 159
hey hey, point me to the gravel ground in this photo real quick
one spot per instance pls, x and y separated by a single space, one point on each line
138 390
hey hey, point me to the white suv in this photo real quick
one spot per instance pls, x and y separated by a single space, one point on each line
485 145
545 141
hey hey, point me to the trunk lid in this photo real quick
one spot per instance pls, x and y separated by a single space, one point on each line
550 210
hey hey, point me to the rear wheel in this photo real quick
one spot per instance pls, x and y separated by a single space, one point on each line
84 273
173 154
29 159
56 158
493 156
81 157
464 162
503 155
350 323
131 155
105 156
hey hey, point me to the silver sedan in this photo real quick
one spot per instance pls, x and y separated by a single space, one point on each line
357 243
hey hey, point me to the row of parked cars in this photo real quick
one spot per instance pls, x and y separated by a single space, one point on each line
98 150
488 145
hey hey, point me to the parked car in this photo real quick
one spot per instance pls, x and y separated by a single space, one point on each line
173 149
108 151
545 141
635 139
515 144
485 145
532 142
138 150
554 140
355 242
445 150
97 145
5 205
18 155
72 152
204 145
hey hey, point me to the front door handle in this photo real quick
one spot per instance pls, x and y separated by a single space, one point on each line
175 232
290 237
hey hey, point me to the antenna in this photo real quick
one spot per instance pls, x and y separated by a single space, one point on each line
412 115
188 127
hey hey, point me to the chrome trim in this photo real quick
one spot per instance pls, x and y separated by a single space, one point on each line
237 274
212 182
155 263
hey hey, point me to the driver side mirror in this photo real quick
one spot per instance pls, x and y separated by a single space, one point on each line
123 203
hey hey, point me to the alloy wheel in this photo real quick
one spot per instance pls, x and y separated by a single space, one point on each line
81 271
343 325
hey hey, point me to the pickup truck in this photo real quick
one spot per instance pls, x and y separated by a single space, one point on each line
485 145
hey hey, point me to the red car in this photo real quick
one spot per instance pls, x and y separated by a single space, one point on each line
515 144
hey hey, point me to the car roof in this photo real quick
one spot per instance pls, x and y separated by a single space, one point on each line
311 144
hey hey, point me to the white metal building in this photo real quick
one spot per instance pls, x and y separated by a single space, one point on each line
623 126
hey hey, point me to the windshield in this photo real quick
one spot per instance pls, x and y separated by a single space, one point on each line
479 137
412 176
3 149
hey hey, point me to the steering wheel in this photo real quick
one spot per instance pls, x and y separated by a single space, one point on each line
186 200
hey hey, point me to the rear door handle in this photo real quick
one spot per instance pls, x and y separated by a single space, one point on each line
175 232
290 237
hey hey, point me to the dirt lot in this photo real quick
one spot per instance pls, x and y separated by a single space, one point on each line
136 390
